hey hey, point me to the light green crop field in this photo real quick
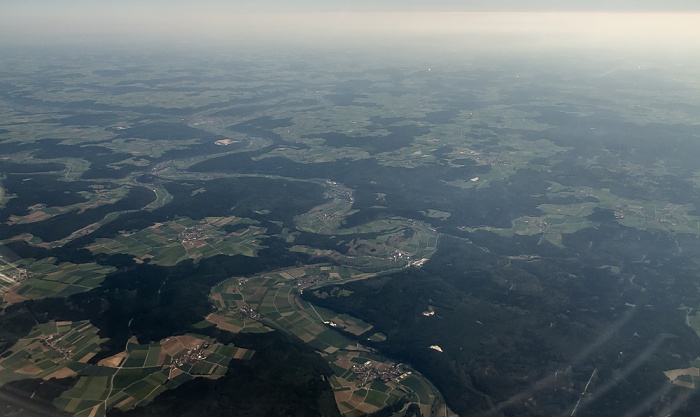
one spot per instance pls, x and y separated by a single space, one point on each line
50 278
398 241
160 243
141 372
135 376
559 219
52 349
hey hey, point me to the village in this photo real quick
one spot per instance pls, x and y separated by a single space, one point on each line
248 312
308 280
192 355
368 372
337 190
52 342
191 234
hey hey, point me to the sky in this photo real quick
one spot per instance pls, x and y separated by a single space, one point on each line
366 5
591 22
474 5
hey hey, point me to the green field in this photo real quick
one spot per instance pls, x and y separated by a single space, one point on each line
50 278
51 349
98 195
557 220
62 349
274 296
161 245
143 372
399 242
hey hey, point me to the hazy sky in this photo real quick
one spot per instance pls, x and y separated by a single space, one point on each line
366 5
478 5
602 22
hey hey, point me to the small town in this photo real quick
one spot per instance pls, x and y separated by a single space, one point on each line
190 234
368 372
247 311
336 190
161 166
308 280
192 355
403 256
52 342
619 210
18 275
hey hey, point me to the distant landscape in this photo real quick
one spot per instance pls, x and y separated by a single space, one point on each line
262 233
